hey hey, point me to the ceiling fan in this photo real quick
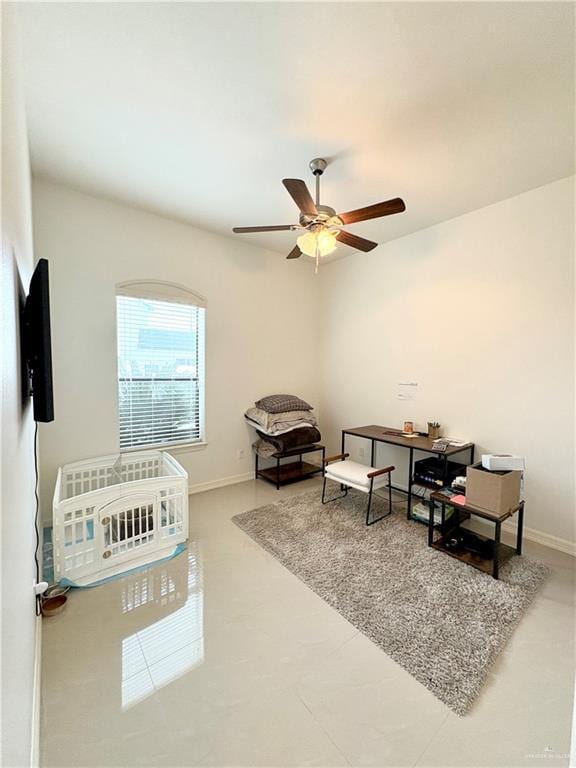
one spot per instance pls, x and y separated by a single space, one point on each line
322 225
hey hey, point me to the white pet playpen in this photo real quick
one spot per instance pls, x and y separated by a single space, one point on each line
116 513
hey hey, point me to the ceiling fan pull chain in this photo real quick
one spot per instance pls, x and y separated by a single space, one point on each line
317 189
317 260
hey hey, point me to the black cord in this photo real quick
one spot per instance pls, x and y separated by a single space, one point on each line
36 511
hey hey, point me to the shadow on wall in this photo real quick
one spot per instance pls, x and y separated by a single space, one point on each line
22 383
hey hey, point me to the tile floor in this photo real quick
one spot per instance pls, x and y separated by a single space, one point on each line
221 657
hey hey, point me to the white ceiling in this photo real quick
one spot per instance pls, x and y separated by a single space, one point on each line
198 110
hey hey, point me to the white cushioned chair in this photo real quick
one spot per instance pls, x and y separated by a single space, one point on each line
351 474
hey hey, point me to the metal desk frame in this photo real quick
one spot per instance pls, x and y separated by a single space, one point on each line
378 434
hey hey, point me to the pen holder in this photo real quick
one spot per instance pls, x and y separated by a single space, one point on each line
433 431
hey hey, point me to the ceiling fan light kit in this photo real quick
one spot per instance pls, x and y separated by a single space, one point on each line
322 225
322 242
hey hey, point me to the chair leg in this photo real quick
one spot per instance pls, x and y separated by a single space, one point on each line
327 501
370 494
371 522
369 503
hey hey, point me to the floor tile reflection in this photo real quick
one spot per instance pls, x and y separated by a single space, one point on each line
173 644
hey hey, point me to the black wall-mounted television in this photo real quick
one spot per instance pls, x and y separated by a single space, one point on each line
37 343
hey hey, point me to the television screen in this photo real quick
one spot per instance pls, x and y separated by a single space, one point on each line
37 343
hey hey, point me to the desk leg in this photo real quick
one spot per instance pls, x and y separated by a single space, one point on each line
471 454
410 470
343 447
373 454
520 529
431 523
256 468
277 474
496 550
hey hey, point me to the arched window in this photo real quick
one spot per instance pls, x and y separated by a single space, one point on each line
160 329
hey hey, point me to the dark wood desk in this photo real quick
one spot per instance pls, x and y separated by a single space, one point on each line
379 434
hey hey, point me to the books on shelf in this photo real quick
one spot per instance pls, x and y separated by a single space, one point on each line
422 512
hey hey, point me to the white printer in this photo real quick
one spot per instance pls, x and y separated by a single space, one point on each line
502 462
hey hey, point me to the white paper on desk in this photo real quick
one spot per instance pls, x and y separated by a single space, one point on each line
407 390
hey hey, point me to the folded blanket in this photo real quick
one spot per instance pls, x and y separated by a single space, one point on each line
278 423
264 449
282 403
283 431
296 438
280 429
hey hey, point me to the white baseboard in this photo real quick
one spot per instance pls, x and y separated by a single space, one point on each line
531 534
546 539
35 740
223 481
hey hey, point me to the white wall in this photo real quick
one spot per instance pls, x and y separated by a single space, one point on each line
261 333
479 311
19 625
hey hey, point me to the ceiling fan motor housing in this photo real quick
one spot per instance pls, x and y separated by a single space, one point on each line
326 216
318 166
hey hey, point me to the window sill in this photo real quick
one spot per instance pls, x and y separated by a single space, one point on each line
197 445
183 447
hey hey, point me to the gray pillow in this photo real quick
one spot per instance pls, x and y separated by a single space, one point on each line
281 403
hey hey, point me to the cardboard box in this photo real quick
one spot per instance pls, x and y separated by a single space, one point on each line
496 492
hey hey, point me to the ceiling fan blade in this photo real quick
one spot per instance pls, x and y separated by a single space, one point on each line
298 191
355 242
278 228
396 205
295 253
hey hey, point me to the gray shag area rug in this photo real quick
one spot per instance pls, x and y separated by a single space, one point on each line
443 621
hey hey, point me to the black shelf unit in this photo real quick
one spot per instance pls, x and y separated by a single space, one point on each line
282 474
502 552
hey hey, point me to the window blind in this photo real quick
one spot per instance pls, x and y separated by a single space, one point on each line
160 371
